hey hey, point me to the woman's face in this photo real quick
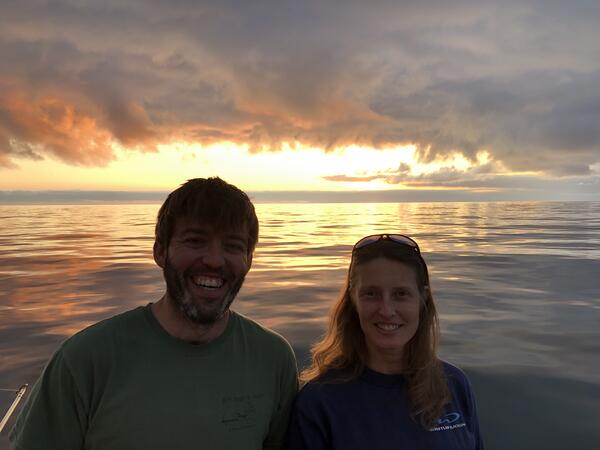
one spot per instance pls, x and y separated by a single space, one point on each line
387 300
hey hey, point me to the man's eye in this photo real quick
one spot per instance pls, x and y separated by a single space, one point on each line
236 247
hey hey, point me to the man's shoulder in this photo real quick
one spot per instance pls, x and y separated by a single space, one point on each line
261 337
257 330
105 331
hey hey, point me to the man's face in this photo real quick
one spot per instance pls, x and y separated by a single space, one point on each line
204 269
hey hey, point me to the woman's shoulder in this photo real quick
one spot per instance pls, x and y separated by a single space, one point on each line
332 383
454 374
314 396
459 386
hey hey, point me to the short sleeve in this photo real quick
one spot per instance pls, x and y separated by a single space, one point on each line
288 388
54 416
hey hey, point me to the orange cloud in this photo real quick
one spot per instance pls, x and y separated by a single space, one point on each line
32 125
70 126
130 124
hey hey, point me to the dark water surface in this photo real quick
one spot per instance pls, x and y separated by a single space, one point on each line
517 284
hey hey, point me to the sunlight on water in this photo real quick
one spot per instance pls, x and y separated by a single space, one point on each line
64 267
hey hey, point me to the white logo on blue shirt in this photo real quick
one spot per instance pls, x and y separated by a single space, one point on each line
449 421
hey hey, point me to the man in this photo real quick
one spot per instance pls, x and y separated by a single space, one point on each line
185 372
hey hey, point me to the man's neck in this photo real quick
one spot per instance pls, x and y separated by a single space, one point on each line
177 325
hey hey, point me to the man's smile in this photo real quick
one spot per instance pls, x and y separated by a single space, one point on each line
209 282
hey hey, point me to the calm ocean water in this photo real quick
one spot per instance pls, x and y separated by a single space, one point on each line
517 285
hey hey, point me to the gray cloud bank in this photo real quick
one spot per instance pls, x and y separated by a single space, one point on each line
518 79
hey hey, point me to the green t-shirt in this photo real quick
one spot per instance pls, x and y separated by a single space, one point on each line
126 384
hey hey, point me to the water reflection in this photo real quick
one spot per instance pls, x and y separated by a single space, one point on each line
516 283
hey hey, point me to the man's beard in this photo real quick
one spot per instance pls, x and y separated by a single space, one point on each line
196 311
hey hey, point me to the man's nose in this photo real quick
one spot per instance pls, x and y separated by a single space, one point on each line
213 255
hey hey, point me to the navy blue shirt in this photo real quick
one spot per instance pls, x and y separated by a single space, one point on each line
372 412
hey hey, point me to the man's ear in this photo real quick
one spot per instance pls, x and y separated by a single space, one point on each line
250 260
159 254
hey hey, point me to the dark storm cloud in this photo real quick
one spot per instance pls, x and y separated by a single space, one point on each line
518 79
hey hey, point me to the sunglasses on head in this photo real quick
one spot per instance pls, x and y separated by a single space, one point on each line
396 238
399 239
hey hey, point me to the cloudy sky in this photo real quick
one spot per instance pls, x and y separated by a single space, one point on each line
490 97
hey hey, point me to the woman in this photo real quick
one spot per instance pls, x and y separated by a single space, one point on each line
375 381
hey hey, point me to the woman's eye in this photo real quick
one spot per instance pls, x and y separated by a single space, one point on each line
403 293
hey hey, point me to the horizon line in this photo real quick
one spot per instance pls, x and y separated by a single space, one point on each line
72 196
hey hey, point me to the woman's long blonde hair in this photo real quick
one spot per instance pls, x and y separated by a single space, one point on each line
343 348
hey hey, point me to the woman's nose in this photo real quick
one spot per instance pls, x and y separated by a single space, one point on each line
386 308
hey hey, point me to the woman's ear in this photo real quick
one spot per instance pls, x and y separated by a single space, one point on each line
351 294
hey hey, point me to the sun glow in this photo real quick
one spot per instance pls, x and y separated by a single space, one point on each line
292 168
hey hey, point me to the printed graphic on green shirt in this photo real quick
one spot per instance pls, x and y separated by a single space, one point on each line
242 411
